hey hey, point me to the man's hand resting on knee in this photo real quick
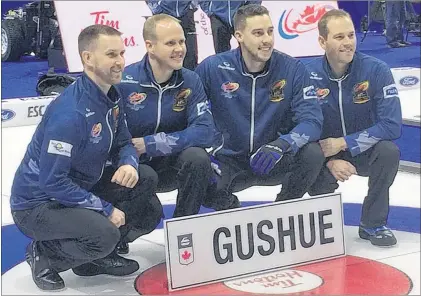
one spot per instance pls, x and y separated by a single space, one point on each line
341 169
139 145
117 217
126 176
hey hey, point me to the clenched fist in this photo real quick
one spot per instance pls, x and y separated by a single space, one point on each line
331 146
126 176
117 217
341 169
139 145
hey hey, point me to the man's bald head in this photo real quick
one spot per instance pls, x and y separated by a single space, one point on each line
150 26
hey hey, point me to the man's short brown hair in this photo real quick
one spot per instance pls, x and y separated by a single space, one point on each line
246 11
331 14
91 34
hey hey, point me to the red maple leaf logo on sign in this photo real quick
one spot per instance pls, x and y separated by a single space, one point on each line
186 255
311 15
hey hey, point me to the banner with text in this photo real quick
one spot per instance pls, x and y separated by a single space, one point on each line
24 111
295 25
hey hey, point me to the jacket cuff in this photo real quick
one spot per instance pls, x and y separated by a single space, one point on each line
149 145
293 148
354 150
130 160
107 208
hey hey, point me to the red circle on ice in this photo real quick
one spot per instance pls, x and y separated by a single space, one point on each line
346 275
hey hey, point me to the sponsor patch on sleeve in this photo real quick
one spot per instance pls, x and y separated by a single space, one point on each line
60 148
390 91
203 107
309 93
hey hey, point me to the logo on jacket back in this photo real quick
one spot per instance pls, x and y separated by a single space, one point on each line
7 114
229 88
96 133
293 22
277 91
185 249
180 100
135 100
409 81
360 92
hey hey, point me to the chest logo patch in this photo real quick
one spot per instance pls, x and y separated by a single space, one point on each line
96 133
277 91
360 92
180 100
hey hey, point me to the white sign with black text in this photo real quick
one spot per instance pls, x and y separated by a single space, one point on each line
225 245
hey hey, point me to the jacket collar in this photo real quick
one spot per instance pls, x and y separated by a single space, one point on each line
97 95
351 67
243 67
146 75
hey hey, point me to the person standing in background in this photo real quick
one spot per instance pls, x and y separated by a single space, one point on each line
221 14
395 22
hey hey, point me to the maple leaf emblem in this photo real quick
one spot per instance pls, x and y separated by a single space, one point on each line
164 142
300 140
311 15
186 255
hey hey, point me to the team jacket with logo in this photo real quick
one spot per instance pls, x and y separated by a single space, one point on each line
224 10
170 118
252 111
363 106
79 132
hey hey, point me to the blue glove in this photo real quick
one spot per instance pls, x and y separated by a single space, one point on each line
267 156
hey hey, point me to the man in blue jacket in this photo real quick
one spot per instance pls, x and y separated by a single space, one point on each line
266 112
184 12
55 199
168 115
221 15
362 115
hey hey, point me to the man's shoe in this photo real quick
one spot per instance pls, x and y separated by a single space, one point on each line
44 277
404 43
223 204
122 248
378 236
235 204
396 44
113 264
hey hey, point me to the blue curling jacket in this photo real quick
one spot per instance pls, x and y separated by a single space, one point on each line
78 133
251 111
170 118
224 10
174 8
363 106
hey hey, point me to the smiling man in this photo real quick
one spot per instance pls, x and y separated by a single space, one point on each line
362 114
168 116
62 197
265 112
